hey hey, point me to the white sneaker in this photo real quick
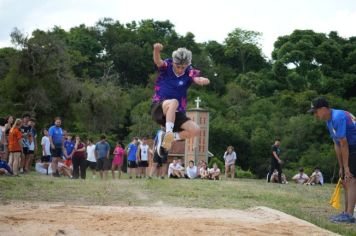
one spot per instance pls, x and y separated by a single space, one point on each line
167 140
159 143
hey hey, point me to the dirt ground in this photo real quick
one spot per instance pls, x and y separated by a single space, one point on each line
63 219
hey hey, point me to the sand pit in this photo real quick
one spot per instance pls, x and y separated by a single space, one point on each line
63 219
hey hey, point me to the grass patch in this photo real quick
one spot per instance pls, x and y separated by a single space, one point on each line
309 203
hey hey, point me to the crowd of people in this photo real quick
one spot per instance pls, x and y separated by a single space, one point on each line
65 154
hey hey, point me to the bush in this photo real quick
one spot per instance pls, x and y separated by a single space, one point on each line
244 174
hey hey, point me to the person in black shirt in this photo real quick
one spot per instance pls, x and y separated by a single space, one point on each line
25 130
276 161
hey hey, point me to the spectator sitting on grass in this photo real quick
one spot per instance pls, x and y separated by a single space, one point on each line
191 171
203 171
214 172
274 177
301 177
174 170
43 167
316 177
5 168
200 165
181 167
63 169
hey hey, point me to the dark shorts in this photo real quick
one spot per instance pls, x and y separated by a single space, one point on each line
91 165
132 164
46 158
160 118
25 150
31 152
102 164
173 176
160 160
352 159
57 151
143 164
2 148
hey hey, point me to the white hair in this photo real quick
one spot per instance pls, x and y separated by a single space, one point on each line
182 56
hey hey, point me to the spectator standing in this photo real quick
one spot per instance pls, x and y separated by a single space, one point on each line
118 160
46 147
91 160
79 159
8 126
230 159
25 130
15 146
143 153
131 158
102 153
68 149
56 139
31 152
159 161
276 161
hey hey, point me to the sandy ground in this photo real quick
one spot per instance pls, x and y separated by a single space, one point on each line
63 219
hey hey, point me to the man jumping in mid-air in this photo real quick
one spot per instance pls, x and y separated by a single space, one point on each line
170 98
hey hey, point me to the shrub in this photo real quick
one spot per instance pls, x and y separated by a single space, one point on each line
244 174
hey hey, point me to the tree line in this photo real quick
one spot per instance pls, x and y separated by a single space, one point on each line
99 79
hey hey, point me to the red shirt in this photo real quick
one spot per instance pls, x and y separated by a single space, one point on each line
80 154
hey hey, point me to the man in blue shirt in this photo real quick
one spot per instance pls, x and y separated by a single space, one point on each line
56 139
102 153
342 128
170 98
131 157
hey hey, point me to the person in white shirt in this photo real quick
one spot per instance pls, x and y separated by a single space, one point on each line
143 153
214 172
46 147
192 170
174 170
230 159
91 160
43 168
301 177
316 177
203 172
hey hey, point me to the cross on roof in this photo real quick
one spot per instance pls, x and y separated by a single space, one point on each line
197 102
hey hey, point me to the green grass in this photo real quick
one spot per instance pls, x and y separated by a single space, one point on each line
309 203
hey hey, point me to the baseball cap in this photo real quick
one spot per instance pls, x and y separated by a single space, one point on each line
318 103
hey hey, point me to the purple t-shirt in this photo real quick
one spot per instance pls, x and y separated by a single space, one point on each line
169 86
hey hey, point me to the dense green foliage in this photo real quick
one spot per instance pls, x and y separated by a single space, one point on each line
100 80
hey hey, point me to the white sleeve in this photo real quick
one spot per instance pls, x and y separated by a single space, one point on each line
234 154
42 141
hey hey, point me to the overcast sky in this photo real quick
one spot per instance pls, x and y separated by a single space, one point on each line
206 19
